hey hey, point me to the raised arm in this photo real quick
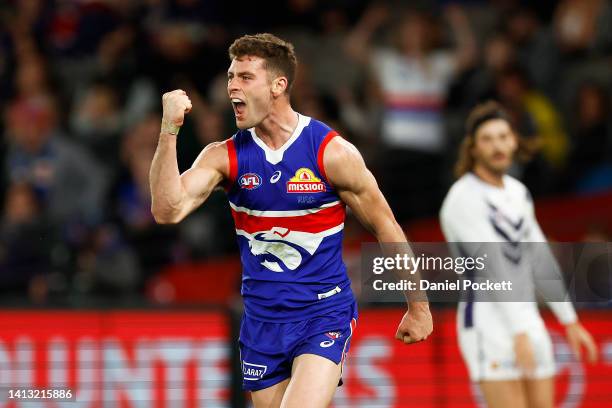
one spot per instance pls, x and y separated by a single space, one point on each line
466 49
357 43
175 195
346 171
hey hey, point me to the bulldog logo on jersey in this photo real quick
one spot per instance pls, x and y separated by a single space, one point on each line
333 335
282 244
305 181
250 181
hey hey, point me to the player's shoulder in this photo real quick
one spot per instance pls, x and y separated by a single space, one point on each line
339 150
317 127
330 142
219 147
516 187
339 160
464 193
241 137
465 188
513 182
327 142
216 154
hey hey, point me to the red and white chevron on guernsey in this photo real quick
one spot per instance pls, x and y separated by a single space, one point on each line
313 220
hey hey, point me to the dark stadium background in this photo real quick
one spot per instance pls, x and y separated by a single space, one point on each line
98 298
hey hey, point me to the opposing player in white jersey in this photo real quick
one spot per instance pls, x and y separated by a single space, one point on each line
505 345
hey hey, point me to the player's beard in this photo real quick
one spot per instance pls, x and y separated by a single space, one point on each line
498 169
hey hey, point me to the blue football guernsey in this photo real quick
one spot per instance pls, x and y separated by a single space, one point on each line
289 225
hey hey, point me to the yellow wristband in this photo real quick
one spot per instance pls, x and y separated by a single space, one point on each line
170 128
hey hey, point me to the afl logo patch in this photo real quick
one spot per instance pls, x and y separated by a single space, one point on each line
305 181
250 181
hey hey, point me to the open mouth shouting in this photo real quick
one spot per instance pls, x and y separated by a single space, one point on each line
239 108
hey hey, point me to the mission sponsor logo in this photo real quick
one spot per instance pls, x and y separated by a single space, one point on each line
305 181
250 181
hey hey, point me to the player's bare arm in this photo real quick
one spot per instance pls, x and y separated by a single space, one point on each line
175 195
357 187
578 337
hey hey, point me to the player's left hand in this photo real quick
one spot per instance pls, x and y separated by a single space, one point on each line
416 325
578 337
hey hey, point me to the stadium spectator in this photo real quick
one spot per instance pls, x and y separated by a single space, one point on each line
499 54
591 153
535 48
413 77
540 123
107 265
23 223
97 122
70 183
580 25
78 81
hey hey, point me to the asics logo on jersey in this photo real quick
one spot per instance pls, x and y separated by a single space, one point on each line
305 181
250 181
275 176
327 343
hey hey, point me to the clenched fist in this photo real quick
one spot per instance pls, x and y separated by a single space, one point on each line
416 325
175 105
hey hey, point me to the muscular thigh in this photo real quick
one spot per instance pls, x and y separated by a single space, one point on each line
270 397
314 380
504 394
284 362
540 392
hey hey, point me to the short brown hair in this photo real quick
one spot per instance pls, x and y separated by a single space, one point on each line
479 115
279 55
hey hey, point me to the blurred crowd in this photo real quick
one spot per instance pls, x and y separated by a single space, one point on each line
81 83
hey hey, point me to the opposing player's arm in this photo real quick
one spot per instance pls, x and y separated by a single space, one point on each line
547 274
577 336
175 195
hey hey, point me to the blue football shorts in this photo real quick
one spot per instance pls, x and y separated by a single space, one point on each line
267 350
